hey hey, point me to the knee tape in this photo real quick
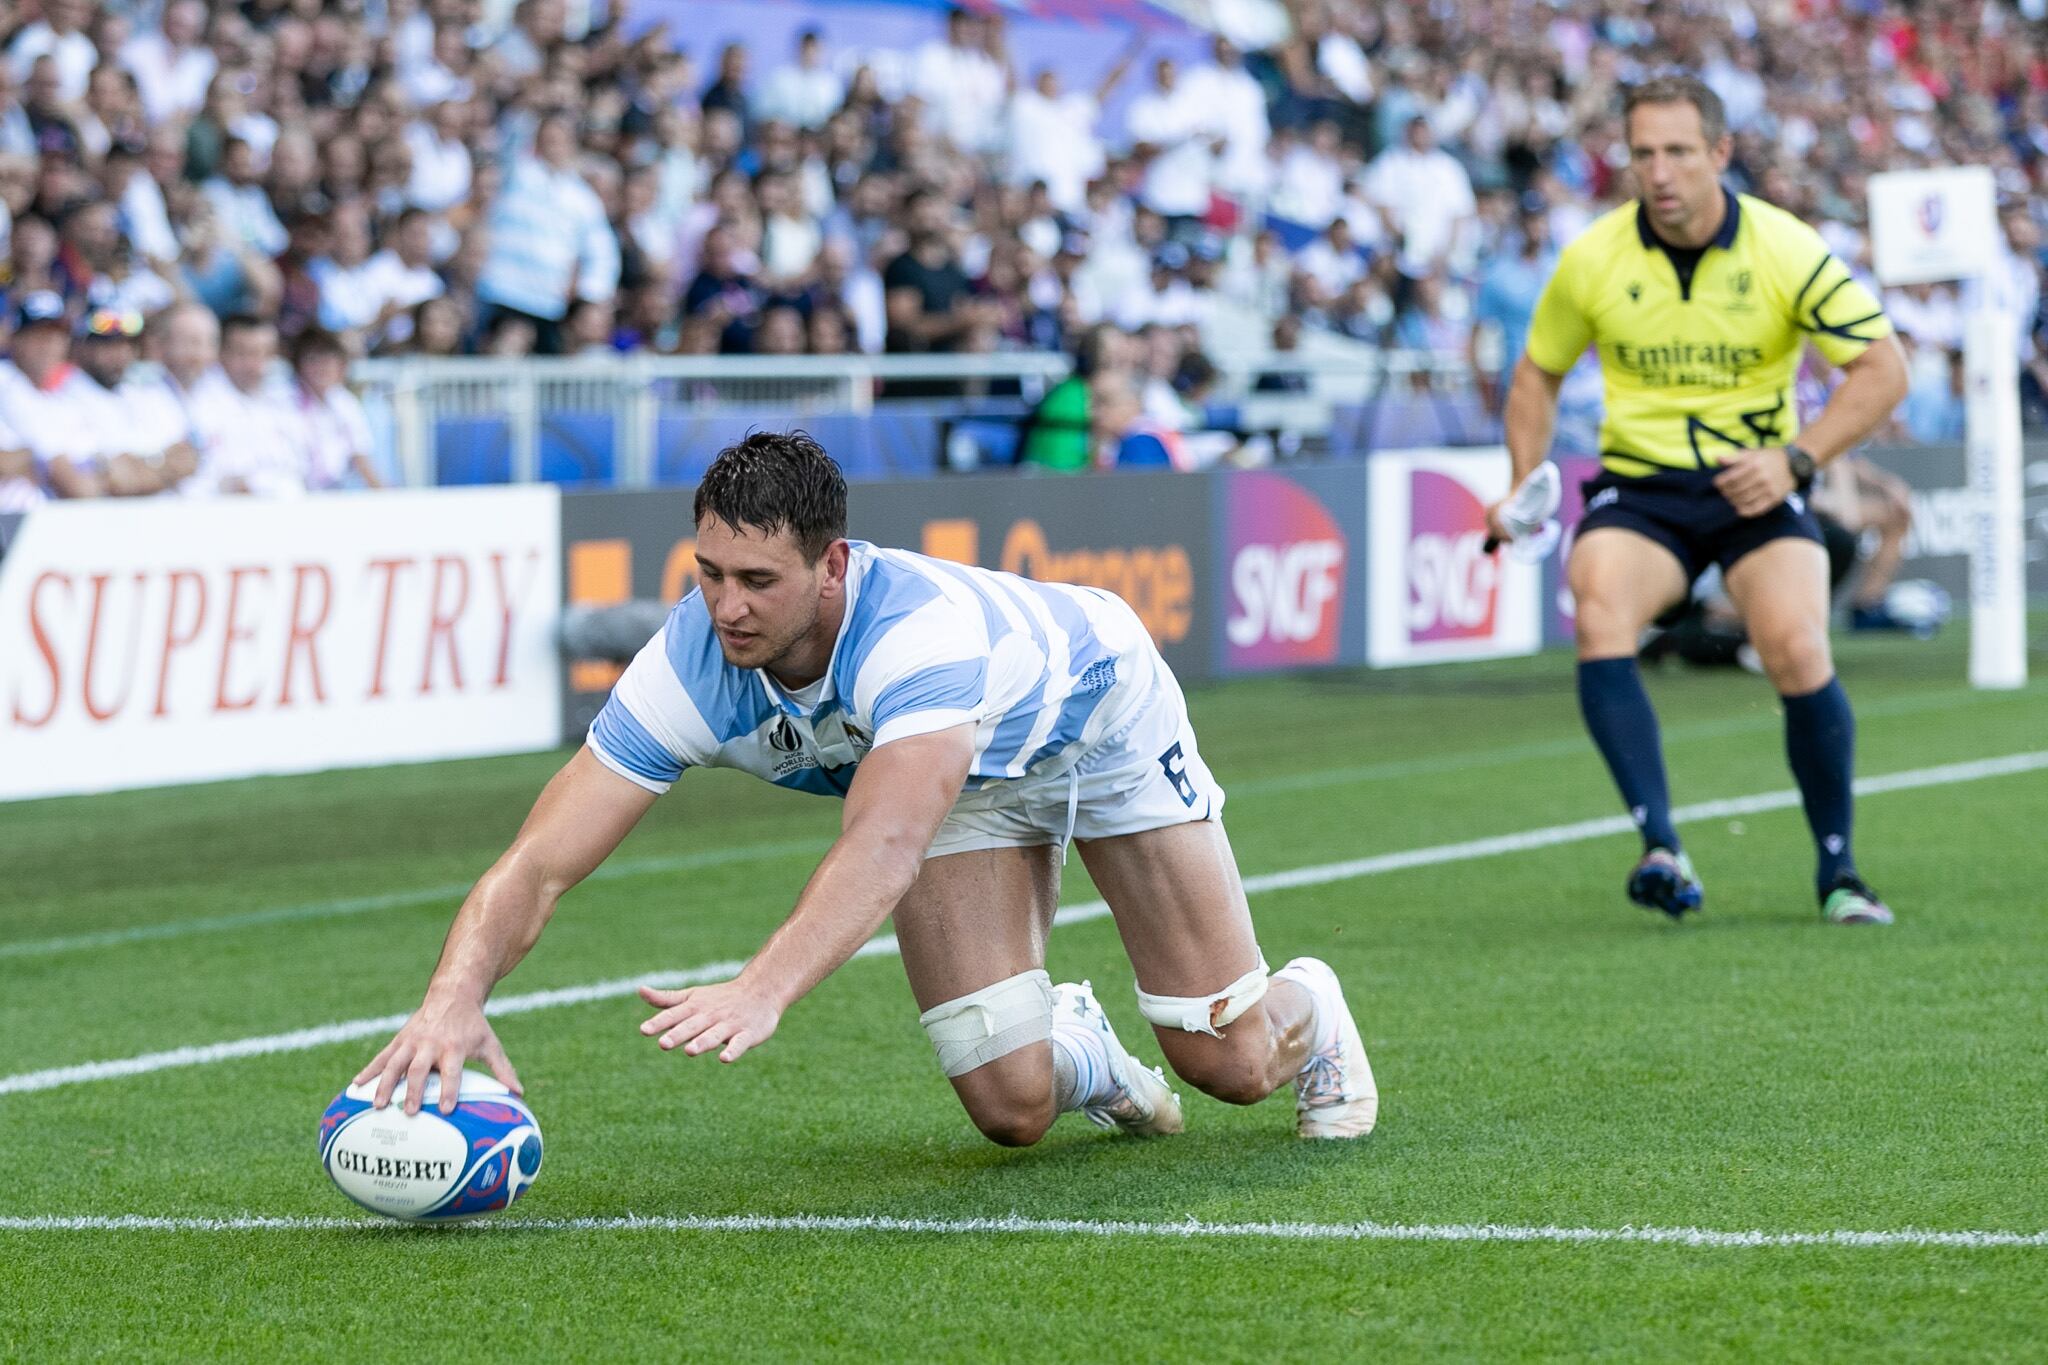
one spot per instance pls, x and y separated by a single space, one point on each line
1206 1013
993 1022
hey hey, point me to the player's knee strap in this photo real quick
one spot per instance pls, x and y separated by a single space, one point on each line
993 1022
1206 1013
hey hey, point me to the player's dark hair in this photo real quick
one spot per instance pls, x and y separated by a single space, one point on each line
1680 90
777 481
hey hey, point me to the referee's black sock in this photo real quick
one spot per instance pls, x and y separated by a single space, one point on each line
1618 714
1820 743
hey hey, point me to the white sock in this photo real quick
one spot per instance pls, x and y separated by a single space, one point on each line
1080 1066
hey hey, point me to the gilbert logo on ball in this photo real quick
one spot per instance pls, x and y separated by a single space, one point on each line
432 1167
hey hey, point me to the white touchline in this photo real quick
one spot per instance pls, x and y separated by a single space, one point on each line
1057 1227
618 869
299 1040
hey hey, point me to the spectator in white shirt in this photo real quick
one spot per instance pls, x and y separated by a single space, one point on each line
805 93
961 85
1238 106
241 207
17 133
46 402
443 75
142 213
1308 180
162 403
401 277
135 464
1330 263
1425 195
59 34
351 301
442 167
1052 135
261 443
537 25
172 68
338 446
1177 138
790 238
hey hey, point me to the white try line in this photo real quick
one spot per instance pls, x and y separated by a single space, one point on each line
1190 1229
618 869
300 1040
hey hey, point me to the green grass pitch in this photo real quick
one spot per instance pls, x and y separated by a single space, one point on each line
1547 1056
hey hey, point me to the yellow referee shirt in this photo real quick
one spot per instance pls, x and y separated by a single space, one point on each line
1699 350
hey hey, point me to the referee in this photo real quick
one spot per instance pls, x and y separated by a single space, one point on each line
1699 301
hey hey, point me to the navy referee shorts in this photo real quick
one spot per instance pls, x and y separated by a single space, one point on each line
1681 510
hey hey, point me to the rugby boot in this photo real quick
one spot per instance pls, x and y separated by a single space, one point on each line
1334 1094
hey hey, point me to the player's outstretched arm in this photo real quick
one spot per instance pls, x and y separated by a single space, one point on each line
581 816
900 795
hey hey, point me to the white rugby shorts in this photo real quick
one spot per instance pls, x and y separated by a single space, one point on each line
1143 772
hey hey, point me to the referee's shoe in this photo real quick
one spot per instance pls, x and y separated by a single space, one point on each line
1664 880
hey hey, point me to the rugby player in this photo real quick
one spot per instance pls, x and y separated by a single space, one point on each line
1699 301
974 722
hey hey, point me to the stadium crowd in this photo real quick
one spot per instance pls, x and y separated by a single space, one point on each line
338 178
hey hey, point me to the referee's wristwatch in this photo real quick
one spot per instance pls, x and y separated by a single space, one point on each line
1802 464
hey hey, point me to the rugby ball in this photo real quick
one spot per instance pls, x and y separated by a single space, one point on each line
432 1167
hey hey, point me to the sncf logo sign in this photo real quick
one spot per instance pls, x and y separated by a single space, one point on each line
1286 583
1453 584
1433 591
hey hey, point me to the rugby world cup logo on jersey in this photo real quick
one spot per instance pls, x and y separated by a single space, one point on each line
1285 587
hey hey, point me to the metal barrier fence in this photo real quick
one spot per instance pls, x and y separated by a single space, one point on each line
412 398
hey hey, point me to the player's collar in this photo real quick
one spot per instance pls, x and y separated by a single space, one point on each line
1731 223
778 695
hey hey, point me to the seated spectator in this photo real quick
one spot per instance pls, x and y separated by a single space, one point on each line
1436 325
172 66
1425 196
260 443
164 402
138 461
1331 263
401 277
51 407
779 332
1281 378
829 332
338 446
805 93
241 205
59 38
1057 436
930 306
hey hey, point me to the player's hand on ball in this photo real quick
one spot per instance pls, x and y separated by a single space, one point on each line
439 1037
730 1016
1755 481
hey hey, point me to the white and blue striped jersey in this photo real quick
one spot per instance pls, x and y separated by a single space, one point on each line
925 645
